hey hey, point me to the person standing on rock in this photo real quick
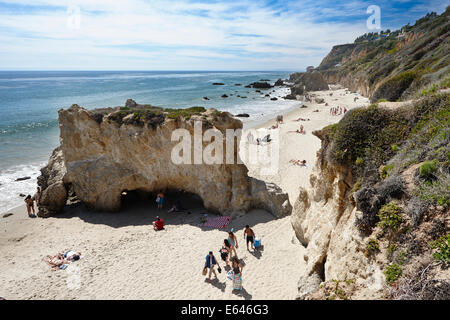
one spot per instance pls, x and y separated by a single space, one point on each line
30 205
160 200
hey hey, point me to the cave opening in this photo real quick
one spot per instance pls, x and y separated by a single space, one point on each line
182 200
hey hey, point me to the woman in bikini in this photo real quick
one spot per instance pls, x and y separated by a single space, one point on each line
225 251
233 243
30 205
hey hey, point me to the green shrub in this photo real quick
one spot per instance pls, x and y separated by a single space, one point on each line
373 247
381 100
442 247
393 88
392 273
395 147
359 161
384 172
185 113
390 217
427 169
390 250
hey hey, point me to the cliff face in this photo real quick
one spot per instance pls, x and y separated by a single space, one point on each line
394 65
375 218
106 152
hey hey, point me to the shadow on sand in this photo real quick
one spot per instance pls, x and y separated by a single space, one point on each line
141 211
242 293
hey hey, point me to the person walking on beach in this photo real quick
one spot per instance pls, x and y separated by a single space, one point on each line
37 196
30 205
210 263
237 273
225 251
160 200
249 236
233 243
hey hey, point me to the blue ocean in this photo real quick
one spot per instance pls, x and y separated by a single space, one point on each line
29 101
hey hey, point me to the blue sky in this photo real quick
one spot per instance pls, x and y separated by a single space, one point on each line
187 34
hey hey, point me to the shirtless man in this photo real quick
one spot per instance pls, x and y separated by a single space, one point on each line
250 236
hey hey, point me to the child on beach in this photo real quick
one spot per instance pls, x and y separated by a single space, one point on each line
30 205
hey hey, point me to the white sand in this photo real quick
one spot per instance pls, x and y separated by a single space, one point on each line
123 258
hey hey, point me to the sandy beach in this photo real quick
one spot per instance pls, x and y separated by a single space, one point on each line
124 258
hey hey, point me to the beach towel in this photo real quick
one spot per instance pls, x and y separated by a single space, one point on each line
217 222
237 282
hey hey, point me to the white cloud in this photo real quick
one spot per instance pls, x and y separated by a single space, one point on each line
167 35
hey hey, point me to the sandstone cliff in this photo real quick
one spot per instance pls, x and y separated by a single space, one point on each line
393 65
375 219
105 152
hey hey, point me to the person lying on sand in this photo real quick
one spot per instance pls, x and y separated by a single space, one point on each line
301 163
177 207
301 130
266 138
301 119
158 224
274 126
249 236
317 110
61 259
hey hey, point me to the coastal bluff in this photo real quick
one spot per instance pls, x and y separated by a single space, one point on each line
105 152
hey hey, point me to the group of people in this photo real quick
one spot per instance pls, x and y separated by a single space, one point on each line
337 111
228 254
30 200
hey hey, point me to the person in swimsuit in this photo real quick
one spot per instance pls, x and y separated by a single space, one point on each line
225 251
160 200
30 205
37 195
233 243
237 273
249 235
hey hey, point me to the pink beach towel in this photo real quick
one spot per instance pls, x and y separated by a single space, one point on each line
217 222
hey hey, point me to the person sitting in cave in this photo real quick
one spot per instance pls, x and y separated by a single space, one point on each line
158 224
177 207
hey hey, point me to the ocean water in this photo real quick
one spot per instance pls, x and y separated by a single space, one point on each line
29 102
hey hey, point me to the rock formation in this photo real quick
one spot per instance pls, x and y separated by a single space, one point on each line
105 152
